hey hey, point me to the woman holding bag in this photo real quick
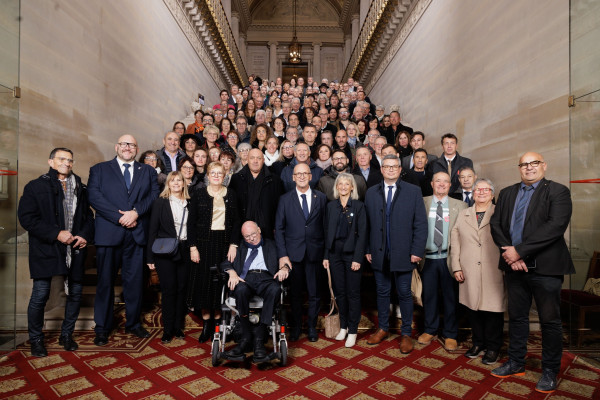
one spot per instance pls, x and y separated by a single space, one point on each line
167 224
345 244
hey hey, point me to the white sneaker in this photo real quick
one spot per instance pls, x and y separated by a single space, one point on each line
398 312
341 335
351 341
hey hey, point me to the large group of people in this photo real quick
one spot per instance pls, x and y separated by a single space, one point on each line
282 181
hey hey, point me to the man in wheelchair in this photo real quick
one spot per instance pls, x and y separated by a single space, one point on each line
254 271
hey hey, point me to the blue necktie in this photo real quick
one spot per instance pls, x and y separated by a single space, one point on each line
388 208
388 203
468 198
304 206
520 211
127 176
248 262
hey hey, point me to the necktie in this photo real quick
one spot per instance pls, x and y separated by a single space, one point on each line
438 234
248 262
468 198
449 168
388 208
304 206
127 176
388 203
520 211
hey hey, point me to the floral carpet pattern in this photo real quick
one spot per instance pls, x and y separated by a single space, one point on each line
132 368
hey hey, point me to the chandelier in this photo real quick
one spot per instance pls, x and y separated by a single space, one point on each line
295 47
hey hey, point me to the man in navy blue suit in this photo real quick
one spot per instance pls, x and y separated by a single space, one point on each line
397 238
122 192
300 243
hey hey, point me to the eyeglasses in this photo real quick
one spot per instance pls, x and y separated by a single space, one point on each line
302 174
483 190
533 164
243 150
150 158
64 159
215 174
390 167
124 145
251 236
339 159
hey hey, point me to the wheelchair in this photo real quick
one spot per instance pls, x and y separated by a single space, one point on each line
230 321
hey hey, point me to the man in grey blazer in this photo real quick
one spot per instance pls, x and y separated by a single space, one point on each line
442 212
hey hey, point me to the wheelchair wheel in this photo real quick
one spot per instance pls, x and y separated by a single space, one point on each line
284 352
215 353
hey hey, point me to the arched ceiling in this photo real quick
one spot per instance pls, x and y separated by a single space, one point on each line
253 5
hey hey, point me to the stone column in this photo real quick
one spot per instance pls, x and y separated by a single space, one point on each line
317 61
272 61
364 10
227 7
355 29
235 26
347 48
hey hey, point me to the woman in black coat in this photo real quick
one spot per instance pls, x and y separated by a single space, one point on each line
345 245
169 220
213 236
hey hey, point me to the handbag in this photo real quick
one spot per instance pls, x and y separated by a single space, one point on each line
168 246
332 322
416 287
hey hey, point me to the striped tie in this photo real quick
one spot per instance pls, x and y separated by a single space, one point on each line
438 235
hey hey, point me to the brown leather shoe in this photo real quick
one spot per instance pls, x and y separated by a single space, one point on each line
425 338
406 344
450 344
377 337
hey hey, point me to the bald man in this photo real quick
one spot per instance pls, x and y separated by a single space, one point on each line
122 192
528 225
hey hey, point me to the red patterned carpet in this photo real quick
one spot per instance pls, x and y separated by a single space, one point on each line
148 369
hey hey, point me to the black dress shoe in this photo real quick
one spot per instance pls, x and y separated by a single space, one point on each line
101 339
38 349
239 350
313 336
294 334
166 338
68 343
139 332
547 382
475 351
179 334
260 353
490 357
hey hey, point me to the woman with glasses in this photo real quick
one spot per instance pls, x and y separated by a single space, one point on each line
213 235
169 220
179 128
279 125
187 166
152 159
474 260
286 155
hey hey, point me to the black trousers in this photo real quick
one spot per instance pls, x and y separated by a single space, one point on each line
304 274
260 284
174 273
346 287
487 327
545 289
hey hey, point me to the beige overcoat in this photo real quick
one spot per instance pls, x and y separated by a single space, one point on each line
474 252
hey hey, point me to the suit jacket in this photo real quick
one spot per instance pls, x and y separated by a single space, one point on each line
456 206
356 242
546 221
374 178
458 163
408 224
108 194
162 225
41 213
269 253
295 236
327 182
406 161
458 195
476 255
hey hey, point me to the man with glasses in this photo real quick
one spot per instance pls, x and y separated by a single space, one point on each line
255 271
398 233
241 126
122 192
55 211
300 243
339 164
528 225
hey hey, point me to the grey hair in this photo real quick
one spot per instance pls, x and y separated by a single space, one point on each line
478 181
260 112
348 177
244 145
390 157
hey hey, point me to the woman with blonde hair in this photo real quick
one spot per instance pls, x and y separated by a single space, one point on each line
169 220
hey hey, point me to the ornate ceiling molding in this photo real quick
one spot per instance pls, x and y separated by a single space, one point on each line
346 15
299 28
242 7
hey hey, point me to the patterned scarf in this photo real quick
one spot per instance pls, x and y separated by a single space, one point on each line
68 186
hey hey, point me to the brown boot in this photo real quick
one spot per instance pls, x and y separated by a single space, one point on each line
425 338
406 344
377 337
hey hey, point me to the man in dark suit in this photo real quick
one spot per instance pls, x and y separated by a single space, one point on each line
395 128
55 212
450 161
467 178
528 225
257 191
398 233
254 271
417 141
371 175
122 192
299 236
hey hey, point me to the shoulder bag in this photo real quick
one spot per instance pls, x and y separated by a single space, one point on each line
168 246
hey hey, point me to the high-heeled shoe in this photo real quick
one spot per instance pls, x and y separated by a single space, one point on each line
351 341
342 334
208 328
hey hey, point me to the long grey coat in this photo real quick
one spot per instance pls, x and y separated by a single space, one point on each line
475 253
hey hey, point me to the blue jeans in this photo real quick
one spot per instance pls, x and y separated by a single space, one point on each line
435 274
37 303
383 285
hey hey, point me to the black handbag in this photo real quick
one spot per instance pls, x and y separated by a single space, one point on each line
168 246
